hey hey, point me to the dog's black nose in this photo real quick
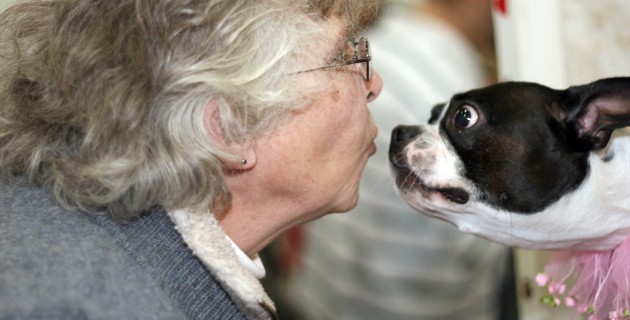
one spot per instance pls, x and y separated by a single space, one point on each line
401 136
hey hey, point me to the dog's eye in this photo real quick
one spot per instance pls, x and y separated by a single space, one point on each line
465 117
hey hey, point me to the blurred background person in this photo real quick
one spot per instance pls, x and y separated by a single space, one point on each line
384 260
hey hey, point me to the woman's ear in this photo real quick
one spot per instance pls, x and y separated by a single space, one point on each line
238 156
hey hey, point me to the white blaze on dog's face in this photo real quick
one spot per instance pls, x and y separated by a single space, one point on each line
435 162
523 164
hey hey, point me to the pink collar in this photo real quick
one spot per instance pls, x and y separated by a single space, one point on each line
594 283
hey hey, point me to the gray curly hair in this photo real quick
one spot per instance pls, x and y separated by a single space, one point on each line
103 101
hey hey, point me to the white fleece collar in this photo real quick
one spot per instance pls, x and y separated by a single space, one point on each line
254 266
206 239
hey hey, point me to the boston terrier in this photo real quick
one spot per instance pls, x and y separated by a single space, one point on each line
524 164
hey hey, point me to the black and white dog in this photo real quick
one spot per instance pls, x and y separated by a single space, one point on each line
523 164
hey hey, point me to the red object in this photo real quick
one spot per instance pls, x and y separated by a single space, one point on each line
501 6
291 250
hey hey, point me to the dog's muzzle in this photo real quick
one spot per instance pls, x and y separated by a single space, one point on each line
406 179
401 137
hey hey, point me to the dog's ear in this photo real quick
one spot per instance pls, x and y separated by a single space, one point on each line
436 112
596 109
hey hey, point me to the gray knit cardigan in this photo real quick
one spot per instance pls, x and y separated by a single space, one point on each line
61 264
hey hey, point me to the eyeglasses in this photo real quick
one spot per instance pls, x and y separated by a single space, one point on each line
361 54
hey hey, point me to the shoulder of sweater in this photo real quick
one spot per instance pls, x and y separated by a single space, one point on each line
56 261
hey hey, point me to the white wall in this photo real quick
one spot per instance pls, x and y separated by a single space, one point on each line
597 39
563 42
529 45
5 3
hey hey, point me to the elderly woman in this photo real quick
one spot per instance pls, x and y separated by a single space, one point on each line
149 149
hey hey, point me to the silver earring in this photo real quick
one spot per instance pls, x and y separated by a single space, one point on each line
243 162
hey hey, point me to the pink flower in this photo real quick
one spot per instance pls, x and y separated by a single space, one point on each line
556 287
614 315
570 302
562 288
541 279
582 309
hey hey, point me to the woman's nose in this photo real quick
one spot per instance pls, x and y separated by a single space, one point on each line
374 86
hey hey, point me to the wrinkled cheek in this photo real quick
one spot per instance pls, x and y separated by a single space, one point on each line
336 96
